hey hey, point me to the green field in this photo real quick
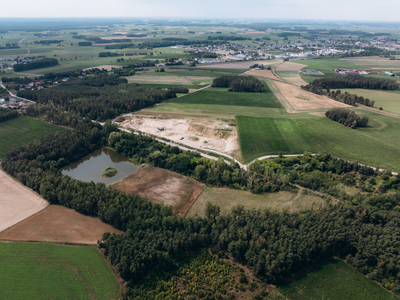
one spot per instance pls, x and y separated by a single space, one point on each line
227 198
388 100
21 131
334 280
48 271
267 136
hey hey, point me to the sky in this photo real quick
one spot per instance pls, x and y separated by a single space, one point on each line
371 10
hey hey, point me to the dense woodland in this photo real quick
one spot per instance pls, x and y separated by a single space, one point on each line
115 96
356 82
37 64
6 114
347 117
239 83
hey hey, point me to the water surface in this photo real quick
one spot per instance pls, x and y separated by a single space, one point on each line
90 167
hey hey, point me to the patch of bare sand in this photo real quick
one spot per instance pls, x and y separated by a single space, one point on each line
106 67
290 66
199 133
192 90
295 95
17 202
263 74
162 186
58 224
296 80
236 65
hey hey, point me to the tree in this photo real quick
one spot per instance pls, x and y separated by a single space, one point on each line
212 210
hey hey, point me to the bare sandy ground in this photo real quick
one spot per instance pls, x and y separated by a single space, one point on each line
296 80
290 66
162 186
302 100
200 133
106 67
236 65
263 74
58 224
17 202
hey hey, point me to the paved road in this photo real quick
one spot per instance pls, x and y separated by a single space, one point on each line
15 96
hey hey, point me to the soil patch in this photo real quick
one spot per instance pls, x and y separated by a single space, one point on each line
58 224
290 66
106 67
293 95
263 74
17 202
162 186
296 80
199 133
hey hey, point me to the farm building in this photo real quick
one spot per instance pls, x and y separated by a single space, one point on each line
2 101
389 74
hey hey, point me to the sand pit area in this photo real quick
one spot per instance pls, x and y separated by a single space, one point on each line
106 67
236 65
17 202
290 66
58 224
199 133
263 74
302 100
162 186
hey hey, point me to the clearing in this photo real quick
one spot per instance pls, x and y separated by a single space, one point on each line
48 271
293 95
199 133
270 136
162 186
17 202
333 279
227 198
21 131
58 224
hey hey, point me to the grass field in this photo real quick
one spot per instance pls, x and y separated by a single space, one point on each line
388 100
227 198
334 280
268 136
21 131
221 96
48 271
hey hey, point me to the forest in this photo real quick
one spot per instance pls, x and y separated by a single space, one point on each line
115 96
347 117
6 114
239 84
37 64
356 82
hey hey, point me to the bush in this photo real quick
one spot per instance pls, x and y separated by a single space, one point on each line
109 172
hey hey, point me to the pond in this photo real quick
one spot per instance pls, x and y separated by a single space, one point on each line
90 167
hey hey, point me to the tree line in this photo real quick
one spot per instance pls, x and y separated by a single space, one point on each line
6 114
356 82
239 83
37 64
347 117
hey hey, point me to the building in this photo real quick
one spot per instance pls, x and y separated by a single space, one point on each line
389 74
2 101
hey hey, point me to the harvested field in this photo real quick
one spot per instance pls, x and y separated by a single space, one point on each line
236 65
263 74
290 66
58 224
115 37
296 80
162 186
293 95
373 62
17 202
198 133
106 67
170 79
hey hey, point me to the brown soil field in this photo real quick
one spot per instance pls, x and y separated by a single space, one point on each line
290 66
293 94
192 90
115 37
161 79
58 224
263 74
296 80
236 65
17 202
106 67
162 186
